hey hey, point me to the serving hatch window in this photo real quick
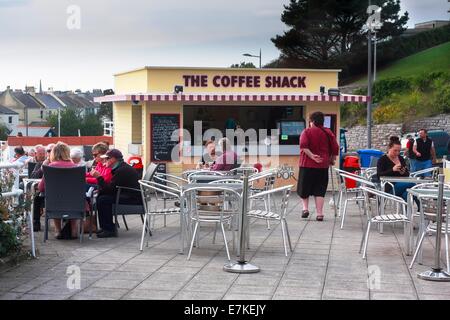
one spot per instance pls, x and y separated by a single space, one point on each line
288 119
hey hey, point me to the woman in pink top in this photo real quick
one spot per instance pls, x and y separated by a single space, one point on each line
60 158
97 151
228 159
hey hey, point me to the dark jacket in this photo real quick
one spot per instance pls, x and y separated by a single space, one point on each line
124 176
37 173
424 147
385 167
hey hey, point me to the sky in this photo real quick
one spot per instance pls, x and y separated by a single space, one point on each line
80 44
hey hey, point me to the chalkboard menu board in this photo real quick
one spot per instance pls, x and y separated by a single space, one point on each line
161 130
161 169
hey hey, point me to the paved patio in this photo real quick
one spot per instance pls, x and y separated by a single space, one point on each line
325 264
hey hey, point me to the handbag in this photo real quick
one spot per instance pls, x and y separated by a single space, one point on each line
329 144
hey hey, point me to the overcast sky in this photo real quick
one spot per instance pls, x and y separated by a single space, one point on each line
117 35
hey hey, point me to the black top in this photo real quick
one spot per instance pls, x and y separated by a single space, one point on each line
424 147
385 166
122 176
37 172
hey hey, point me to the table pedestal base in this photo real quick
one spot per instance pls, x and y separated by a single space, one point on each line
434 275
241 267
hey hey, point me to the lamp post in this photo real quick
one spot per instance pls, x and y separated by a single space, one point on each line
373 23
369 89
375 56
254 56
59 121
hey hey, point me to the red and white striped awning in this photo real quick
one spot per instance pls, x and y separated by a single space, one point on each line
190 97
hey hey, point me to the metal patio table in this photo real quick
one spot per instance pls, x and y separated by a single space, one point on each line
435 273
205 178
419 193
184 207
416 180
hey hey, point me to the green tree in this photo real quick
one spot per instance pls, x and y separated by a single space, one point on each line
106 111
91 126
71 121
323 32
243 65
4 131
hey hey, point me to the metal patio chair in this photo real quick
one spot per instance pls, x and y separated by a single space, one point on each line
210 209
149 190
374 217
269 177
273 216
344 192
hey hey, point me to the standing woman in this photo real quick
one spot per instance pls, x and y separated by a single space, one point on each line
318 150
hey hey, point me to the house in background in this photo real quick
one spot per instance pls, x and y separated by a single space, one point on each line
79 101
25 104
9 118
425 26
34 131
51 102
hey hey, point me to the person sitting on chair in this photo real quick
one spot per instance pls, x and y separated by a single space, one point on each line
38 200
228 159
60 158
392 164
98 150
123 175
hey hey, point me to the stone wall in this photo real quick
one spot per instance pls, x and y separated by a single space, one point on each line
441 121
357 136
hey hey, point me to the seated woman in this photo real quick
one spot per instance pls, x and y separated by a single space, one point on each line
228 159
209 157
60 158
101 168
392 164
77 157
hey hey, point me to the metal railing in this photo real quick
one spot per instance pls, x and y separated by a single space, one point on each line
3 151
108 128
15 192
15 169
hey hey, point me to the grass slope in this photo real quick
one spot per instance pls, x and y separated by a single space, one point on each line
432 59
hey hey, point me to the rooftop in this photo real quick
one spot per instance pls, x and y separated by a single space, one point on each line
227 69
49 101
5 110
27 99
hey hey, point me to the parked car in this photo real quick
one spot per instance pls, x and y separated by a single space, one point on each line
441 141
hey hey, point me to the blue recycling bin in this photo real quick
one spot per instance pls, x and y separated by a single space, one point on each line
368 157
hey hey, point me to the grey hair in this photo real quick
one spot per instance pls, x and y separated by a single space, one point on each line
76 153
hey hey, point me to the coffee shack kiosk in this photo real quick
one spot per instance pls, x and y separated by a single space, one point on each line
160 112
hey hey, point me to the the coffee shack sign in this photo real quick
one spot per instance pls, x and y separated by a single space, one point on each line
245 81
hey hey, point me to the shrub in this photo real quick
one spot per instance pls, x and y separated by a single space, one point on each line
12 222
